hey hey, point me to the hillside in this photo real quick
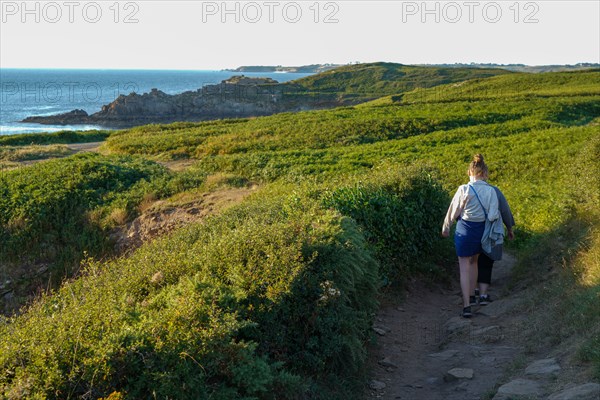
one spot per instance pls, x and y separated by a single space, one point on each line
518 85
510 67
381 78
525 68
241 96
275 297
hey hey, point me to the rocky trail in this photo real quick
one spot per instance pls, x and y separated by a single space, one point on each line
425 350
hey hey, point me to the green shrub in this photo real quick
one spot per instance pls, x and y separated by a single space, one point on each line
266 301
35 152
61 137
46 208
399 212
48 201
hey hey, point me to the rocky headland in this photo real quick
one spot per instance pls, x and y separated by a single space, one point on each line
238 96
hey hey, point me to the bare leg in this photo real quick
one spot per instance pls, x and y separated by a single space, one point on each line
473 274
464 264
483 288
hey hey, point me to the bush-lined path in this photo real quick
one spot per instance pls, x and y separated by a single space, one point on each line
424 350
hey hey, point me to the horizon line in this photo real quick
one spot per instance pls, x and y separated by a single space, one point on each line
289 66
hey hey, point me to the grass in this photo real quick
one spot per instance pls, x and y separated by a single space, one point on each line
55 212
568 260
61 137
33 152
381 78
345 127
519 85
283 291
252 276
274 297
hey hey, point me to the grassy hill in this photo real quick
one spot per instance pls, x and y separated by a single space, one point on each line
357 83
274 298
381 78
518 85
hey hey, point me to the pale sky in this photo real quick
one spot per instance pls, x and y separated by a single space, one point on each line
162 34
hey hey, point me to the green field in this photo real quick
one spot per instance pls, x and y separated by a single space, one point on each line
274 297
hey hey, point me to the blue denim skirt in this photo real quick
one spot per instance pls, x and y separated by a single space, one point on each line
467 238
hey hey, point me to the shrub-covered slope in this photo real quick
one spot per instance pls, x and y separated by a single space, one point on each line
274 298
348 126
558 84
381 78
53 213
61 137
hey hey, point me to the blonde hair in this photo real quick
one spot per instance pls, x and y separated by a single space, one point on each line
477 167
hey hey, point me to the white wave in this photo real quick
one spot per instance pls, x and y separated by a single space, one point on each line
33 108
13 130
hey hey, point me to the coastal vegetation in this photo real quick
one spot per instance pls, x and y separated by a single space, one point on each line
61 137
33 152
275 296
242 97
381 78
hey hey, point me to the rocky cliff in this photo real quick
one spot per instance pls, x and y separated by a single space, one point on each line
238 96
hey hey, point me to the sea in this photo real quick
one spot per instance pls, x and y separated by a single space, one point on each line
29 92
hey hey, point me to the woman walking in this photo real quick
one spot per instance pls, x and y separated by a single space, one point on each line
473 204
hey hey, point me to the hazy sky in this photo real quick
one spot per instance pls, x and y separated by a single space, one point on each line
214 34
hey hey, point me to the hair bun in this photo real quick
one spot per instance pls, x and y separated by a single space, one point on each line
478 158
477 167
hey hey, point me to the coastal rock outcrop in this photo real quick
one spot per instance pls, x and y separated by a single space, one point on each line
238 96
68 118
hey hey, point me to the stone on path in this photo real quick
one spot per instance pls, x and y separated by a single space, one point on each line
444 355
488 360
432 380
589 391
518 387
458 373
544 367
387 363
379 331
457 325
488 334
500 307
376 385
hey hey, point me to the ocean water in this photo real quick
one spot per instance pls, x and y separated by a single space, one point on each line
28 92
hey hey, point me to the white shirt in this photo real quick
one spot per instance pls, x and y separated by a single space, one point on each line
466 206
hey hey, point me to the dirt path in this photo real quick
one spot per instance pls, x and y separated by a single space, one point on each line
83 147
422 339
